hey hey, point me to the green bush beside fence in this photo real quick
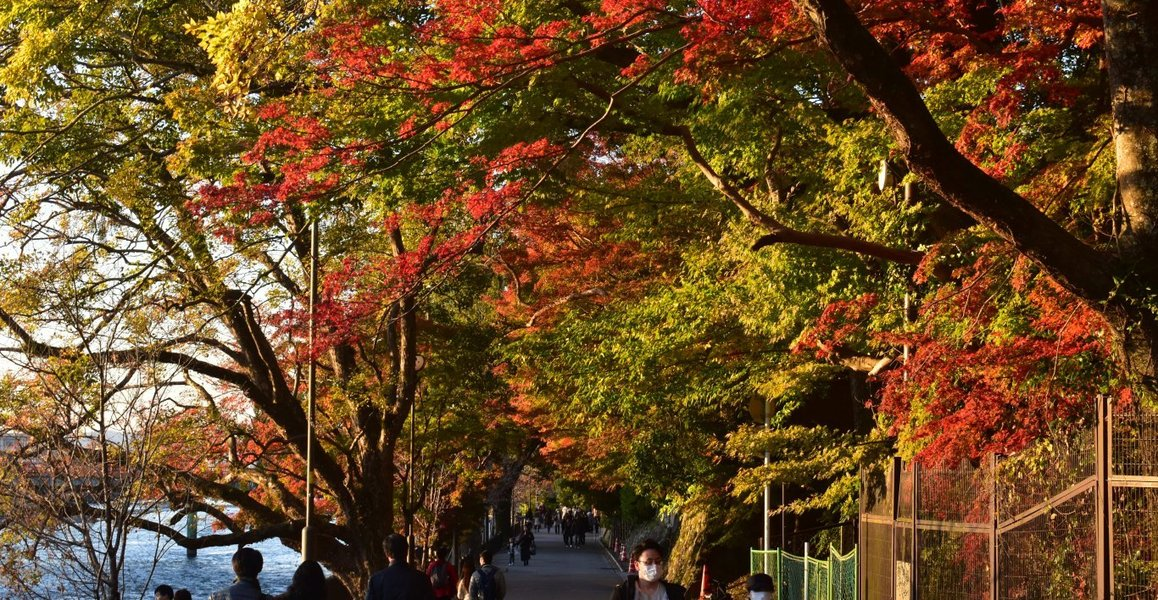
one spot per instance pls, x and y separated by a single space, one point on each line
833 578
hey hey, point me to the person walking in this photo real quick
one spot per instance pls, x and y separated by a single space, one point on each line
309 583
464 582
247 564
648 583
442 574
526 546
488 582
582 526
398 581
568 529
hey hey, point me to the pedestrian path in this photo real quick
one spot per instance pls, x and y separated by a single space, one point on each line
560 573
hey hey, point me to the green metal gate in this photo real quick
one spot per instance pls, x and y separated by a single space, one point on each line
801 578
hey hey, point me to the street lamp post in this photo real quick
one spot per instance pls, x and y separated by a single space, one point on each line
311 393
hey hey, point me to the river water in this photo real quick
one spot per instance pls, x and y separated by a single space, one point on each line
151 561
210 571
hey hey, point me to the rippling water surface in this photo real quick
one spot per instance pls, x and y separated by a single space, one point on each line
150 561
211 570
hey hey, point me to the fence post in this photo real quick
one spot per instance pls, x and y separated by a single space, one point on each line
994 561
779 573
805 570
856 568
831 571
914 568
895 478
1102 502
861 584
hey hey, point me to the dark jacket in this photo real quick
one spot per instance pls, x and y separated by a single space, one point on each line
626 590
399 582
475 589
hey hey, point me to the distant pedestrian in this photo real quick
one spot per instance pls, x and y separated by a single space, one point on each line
512 545
247 564
442 574
526 546
309 583
568 529
648 580
398 581
163 592
488 582
582 526
182 594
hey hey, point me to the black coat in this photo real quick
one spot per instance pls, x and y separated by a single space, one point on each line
626 590
399 582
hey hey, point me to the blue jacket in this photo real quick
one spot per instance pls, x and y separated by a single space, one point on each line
244 589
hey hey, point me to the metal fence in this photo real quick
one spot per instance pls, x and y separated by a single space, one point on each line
808 578
1072 517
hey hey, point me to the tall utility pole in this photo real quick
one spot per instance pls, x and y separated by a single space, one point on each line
311 393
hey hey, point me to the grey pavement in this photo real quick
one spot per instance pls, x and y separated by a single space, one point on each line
560 573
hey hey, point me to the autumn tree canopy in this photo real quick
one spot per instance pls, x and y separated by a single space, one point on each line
637 220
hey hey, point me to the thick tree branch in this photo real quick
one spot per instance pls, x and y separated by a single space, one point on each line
779 231
930 154
564 300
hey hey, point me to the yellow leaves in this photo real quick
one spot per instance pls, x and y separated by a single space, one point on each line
47 33
246 43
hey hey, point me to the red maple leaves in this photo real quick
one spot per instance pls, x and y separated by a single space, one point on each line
1001 357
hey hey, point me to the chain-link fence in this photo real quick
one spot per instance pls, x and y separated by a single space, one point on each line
808 578
1074 516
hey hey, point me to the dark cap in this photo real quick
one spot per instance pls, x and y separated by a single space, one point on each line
760 582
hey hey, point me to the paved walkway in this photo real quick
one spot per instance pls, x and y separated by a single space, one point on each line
560 573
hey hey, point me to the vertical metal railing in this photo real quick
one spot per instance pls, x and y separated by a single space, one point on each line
1089 511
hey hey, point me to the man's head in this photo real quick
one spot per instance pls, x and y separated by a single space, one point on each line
485 557
163 592
648 558
442 552
395 548
247 562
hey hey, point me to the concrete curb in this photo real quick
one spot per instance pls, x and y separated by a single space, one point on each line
615 561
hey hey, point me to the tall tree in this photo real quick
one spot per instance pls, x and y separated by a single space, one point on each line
128 152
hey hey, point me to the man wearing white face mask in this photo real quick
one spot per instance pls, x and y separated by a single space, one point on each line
649 584
760 587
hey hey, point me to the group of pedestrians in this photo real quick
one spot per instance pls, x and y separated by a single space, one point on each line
309 582
575 526
524 543
439 581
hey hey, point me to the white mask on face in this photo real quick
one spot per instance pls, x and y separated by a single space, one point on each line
650 572
759 596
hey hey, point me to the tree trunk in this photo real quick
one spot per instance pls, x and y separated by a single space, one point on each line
1131 40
